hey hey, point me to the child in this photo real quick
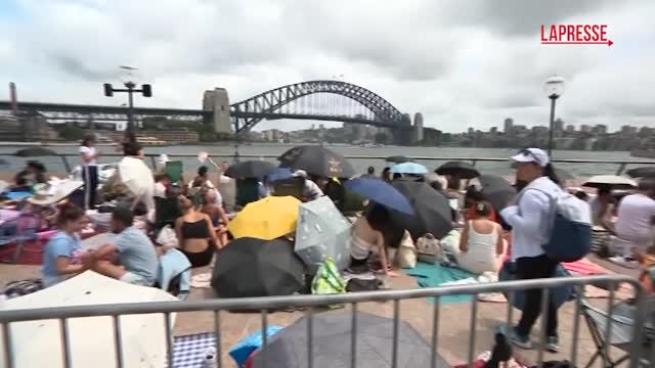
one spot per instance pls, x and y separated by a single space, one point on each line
63 254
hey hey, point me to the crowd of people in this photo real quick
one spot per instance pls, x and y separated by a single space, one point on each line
484 237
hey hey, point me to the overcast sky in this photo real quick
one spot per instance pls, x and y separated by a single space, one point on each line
460 63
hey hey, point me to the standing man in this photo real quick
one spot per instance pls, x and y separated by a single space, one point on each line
635 225
532 220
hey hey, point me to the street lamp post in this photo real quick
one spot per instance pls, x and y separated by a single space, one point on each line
554 88
130 89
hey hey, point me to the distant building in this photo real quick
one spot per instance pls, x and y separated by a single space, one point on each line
628 130
584 128
558 125
570 128
599 129
540 130
493 130
519 130
509 126
471 131
418 126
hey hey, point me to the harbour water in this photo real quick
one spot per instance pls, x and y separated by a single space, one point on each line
269 151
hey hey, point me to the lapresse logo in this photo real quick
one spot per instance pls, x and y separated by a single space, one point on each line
575 34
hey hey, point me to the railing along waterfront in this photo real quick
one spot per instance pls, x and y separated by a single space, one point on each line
267 305
152 158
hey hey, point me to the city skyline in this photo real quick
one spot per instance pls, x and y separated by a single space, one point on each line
455 64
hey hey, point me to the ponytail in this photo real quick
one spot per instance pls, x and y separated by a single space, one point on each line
549 171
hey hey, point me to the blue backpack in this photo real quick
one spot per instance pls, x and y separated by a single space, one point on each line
570 236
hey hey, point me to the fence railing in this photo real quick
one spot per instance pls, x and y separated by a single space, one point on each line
621 164
9 318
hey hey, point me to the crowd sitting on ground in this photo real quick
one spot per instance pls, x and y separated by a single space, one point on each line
485 236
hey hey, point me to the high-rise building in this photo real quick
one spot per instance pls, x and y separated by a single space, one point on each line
558 125
599 129
418 126
509 126
585 128
570 128
493 130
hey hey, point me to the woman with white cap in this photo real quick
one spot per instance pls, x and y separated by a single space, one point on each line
531 219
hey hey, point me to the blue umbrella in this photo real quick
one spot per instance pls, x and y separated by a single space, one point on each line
380 192
409 168
279 173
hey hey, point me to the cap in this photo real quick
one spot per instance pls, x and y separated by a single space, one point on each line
301 173
536 155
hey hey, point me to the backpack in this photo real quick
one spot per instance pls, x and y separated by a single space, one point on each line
571 232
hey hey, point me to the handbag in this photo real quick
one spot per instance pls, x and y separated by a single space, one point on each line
428 249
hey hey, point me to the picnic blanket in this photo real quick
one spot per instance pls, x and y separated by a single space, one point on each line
189 350
585 267
429 275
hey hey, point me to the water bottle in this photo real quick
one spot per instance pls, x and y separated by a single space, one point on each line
210 361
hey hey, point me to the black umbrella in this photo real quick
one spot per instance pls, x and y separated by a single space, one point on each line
331 344
398 159
255 267
250 169
460 169
642 172
497 190
432 211
317 160
34 152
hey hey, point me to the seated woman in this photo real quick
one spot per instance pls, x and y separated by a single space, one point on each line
63 255
370 235
216 214
33 173
195 232
481 245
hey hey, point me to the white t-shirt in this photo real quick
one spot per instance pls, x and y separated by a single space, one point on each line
635 219
88 152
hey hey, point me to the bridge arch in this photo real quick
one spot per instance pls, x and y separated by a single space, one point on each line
249 112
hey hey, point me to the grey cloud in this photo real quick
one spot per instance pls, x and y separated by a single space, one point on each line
518 17
77 68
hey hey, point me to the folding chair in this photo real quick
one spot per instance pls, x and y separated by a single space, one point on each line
621 324
17 232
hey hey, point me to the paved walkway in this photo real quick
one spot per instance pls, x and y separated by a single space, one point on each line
454 323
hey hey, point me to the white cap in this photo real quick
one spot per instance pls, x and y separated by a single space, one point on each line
536 155
300 173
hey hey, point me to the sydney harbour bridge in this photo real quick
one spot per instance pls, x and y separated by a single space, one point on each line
322 100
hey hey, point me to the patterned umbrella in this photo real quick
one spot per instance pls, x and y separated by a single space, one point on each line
322 232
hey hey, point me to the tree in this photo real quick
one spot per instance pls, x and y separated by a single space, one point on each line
71 133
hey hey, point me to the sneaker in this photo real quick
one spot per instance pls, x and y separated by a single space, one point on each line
552 344
626 262
522 342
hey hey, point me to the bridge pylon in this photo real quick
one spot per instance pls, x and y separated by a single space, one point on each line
217 103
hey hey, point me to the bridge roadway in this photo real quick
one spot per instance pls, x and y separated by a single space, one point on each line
58 111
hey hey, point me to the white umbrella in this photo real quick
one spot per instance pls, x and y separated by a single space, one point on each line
322 232
613 181
37 343
137 177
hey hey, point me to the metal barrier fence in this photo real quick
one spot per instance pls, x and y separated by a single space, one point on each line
271 304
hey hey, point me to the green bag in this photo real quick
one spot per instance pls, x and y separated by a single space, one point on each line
328 280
